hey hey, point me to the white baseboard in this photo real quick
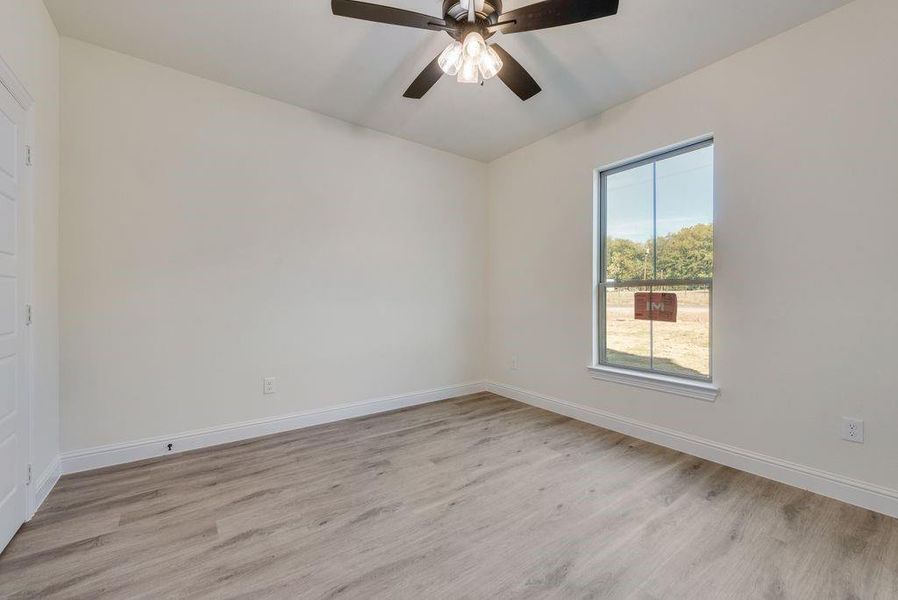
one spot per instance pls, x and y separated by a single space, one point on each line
116 454
43 485
858 493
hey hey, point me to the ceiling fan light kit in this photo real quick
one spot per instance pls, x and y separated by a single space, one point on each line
470 23
470 61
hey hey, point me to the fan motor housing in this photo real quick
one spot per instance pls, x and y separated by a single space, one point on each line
454 11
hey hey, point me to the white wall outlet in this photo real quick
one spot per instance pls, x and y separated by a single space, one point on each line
269 385
853 430
514 363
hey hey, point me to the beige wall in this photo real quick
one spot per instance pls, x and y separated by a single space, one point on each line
211 237
806 128
30 46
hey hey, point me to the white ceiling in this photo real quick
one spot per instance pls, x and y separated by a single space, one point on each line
298 52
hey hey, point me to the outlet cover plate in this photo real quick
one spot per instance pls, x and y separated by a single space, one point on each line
853 430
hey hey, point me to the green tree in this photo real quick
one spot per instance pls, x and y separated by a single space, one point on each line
628 260
686 254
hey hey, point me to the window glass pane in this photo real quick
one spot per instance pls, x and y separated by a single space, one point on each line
629 227
685 207
658 224
681 343
627 341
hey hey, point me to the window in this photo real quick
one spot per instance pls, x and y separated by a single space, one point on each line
655 264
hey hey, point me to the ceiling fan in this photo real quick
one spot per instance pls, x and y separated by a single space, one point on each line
470 23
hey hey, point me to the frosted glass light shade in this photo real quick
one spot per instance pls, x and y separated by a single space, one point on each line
451 58
490 63
474 45
469 72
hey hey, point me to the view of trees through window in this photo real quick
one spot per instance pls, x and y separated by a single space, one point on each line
688 253
657 264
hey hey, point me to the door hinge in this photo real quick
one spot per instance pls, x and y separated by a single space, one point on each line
27 314
28 476
27 156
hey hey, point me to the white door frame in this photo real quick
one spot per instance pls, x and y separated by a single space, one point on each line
25 246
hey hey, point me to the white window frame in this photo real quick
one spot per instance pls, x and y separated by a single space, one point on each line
701 388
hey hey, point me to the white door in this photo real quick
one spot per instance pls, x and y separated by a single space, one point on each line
14 379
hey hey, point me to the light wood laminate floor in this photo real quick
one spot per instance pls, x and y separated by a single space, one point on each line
476 497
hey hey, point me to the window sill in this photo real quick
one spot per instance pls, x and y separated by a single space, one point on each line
660 383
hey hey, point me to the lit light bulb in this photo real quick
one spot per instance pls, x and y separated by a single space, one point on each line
451 58
474 45
469 73
490 63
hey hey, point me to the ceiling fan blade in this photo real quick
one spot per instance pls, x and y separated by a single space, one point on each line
515 76
387 14
553 13
423 82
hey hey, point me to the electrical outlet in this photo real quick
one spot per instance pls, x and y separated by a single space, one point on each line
853 430
514 363
269 385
